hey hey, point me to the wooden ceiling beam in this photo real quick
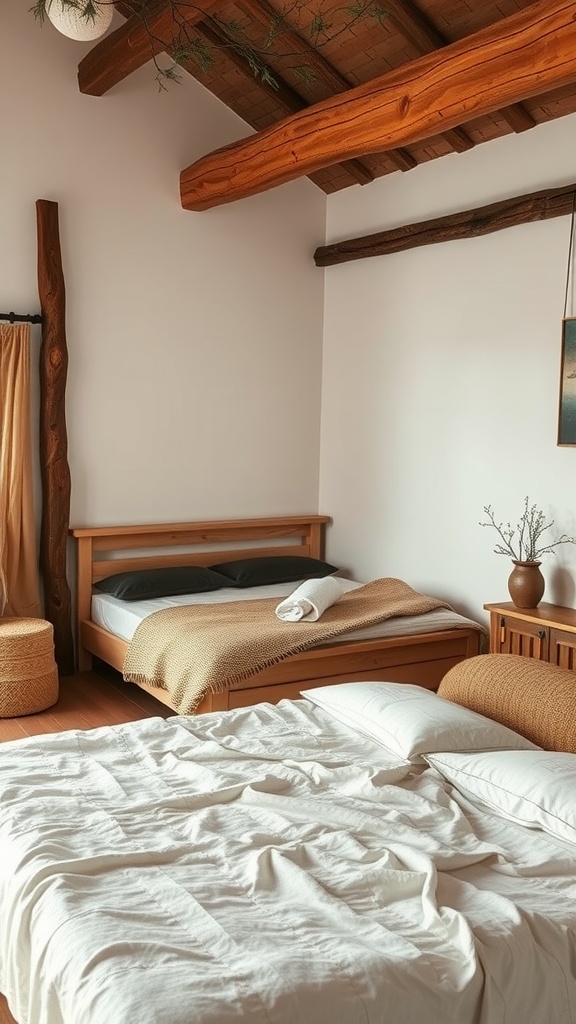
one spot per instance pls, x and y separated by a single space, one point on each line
282 93
264 15
543 205
418 30
528 53
133 44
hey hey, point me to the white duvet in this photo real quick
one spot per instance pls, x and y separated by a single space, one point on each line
269 865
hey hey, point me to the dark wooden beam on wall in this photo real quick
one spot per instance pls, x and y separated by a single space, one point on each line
528 53
543 205
54 467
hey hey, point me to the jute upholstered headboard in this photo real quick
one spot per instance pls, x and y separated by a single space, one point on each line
534 698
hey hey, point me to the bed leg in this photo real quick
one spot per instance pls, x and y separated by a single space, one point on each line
84 660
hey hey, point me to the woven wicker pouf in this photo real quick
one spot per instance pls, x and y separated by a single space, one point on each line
28 672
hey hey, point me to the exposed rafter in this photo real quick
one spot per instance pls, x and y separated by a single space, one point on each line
133 44
283 94
526 54
261 12
419 30
211 39
264 15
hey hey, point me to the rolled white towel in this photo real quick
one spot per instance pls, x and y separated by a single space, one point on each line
310 600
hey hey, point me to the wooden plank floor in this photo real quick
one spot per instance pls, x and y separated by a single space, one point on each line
86 700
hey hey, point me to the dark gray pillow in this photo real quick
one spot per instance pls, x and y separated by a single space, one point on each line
146 583
256 572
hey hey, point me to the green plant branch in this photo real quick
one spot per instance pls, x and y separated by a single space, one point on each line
87 8
187 47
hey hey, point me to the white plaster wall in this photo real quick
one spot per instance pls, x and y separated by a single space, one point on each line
195 339
441 377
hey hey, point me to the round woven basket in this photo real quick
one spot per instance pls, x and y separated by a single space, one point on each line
28 672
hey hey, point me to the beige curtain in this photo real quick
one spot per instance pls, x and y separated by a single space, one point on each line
19 578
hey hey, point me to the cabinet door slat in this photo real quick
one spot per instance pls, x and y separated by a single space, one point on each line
546 633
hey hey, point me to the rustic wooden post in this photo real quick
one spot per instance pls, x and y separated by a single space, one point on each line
54 467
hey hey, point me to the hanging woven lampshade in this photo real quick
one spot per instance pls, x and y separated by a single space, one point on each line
70 21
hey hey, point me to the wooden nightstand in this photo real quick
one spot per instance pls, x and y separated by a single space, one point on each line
546 633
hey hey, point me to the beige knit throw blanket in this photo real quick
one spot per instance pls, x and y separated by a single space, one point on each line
193 649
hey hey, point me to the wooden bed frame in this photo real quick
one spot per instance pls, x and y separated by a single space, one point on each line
422 658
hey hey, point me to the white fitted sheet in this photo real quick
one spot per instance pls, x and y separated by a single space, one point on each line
272 866
122 617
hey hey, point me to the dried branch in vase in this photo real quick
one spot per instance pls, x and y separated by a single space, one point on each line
523 542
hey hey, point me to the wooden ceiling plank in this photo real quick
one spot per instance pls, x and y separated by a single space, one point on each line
542 205
530 52
418 30
133 44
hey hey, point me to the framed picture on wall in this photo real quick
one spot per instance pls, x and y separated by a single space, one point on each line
567 410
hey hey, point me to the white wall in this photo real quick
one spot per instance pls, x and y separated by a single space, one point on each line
441 377
193 337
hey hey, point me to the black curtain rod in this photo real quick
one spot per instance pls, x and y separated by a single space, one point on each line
27 318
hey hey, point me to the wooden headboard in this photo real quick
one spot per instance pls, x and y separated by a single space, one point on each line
107 550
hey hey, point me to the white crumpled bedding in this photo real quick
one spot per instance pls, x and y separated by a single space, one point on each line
269 865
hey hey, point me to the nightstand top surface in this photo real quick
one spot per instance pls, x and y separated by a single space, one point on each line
548 614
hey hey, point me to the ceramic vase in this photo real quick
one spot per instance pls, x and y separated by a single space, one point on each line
526 584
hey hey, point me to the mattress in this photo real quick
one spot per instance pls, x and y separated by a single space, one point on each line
122 617
273 866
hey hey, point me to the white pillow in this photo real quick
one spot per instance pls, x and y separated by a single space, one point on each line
533 787
411 721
